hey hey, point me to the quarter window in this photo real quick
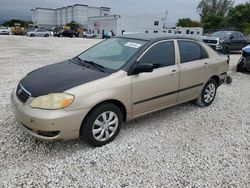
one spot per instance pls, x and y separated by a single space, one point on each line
191 51
160 55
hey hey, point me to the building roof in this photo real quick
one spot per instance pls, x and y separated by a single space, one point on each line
69 6
156 36
44 8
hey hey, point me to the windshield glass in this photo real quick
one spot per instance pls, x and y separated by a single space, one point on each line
222 34
112 53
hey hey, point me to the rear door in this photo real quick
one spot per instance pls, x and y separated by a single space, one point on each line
151 91
40 32
236 42
194 67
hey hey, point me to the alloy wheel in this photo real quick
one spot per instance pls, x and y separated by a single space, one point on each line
209 93
105 126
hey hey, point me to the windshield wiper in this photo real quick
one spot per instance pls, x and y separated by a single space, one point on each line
100 67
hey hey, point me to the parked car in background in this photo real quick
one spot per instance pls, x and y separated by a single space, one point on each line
39 33
4 30
117 80
88 35
244 62
57 31
70 33
226 41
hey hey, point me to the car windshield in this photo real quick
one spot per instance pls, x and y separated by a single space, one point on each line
112 53
222 34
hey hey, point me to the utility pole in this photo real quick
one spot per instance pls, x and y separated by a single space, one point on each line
165 19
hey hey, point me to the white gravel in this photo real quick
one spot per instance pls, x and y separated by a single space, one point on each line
183 146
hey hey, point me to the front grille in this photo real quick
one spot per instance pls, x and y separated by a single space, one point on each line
48 133
210 41
22 94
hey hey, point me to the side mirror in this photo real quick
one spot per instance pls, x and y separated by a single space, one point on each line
140 68
231 37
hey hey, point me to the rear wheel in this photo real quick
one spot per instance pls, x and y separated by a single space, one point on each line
102 125
46 35
208 93
32 35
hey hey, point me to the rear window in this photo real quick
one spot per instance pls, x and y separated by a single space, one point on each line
191 51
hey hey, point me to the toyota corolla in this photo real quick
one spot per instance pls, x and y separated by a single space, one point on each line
117 80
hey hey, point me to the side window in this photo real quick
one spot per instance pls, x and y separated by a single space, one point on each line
191 51
203 54
234 34
160 55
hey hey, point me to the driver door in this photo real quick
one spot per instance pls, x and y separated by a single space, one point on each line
158 89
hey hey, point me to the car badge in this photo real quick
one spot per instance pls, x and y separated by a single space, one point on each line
19 91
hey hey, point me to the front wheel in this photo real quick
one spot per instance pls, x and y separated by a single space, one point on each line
102 125
208 93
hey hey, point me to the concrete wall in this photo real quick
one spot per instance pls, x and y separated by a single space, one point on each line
58 16
61 16
104 11
93 11
64 15
125 24
192 31
80 14
69 14
140 24
44 17
103 23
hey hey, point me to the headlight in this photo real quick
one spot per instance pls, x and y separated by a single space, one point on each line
53 101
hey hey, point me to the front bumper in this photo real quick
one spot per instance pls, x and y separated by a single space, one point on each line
4 33
48 124
217 47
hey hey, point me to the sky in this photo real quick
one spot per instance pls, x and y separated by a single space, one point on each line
176 8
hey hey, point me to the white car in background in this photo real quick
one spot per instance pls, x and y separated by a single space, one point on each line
39 33
4 30
88 35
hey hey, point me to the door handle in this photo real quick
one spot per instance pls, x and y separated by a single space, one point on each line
206 64
174 72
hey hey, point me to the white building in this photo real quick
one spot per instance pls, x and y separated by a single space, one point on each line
47 18
121 24
192 31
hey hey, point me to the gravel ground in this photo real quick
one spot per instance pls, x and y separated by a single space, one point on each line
183 146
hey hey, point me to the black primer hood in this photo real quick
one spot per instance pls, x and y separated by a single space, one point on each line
58 78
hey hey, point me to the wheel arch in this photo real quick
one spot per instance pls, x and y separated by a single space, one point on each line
217 79
118 103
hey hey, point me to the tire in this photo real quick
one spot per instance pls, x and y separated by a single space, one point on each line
229 80
95 122
239 67
46 35
211 87
32 35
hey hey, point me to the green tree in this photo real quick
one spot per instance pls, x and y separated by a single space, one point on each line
214 13
11 23
239 17
187 22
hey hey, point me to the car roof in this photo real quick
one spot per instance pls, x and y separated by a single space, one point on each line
156 37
